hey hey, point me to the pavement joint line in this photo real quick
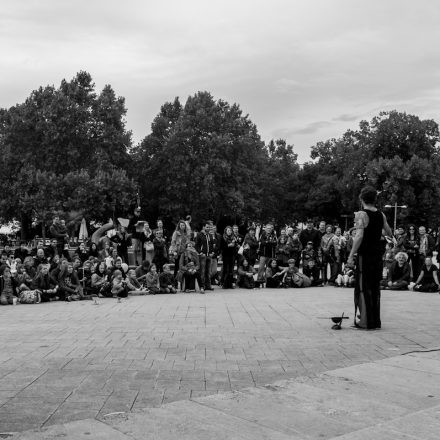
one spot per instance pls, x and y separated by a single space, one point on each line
48 418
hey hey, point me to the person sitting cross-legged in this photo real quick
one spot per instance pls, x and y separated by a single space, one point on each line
399 273
312 271
428 278
246 275
167 281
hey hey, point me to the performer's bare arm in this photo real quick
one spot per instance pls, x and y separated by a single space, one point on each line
357 241
386 227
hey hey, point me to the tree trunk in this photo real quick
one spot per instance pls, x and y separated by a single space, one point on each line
25 222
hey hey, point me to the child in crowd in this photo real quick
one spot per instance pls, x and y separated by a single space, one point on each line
167 282
152 280
8 286
190 276
133 285
246 275
308 254
119 287
23 279
312 271
345 278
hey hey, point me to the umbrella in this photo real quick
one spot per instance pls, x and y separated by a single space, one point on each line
83 233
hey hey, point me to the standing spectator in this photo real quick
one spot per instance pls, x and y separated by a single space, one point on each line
146 239
411 247
250 246
268 243
217 241
329 257
160 250
340 247
239 241
229 252
189 268
426 245
295 246
205 247
400 239
282 251
159 227
132 230
58 231
123 241
310 234
179 241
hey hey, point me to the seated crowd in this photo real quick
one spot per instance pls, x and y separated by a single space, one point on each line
188 261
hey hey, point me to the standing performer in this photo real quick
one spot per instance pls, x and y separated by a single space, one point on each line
370 222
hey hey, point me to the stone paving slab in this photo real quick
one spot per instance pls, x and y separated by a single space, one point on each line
146 351
333 405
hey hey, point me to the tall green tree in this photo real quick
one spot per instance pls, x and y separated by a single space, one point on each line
57 131
209 162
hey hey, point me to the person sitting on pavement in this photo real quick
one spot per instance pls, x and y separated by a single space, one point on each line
152 280
167 281
246 274
44 283
346 278
133 285
274 274
119 286
312 271
428 278
8 286
399 273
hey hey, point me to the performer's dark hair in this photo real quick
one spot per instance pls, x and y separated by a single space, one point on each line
368 195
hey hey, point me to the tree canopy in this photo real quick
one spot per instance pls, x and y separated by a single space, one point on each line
67 149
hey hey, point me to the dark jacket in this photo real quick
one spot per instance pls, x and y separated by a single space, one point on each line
314 236
250 244
13 283
268 244
405 272
204 243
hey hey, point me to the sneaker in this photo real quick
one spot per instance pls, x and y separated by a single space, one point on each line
202 290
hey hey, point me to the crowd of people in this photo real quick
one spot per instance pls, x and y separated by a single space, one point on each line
187 259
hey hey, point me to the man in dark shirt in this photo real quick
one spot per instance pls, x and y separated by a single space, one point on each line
310 234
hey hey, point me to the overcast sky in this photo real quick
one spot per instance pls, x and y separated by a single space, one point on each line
304 70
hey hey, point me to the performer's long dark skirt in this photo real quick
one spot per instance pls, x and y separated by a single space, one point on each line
367 290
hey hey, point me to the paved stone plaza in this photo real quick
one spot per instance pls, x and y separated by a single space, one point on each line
61 362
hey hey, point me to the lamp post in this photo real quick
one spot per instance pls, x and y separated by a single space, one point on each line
395 206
